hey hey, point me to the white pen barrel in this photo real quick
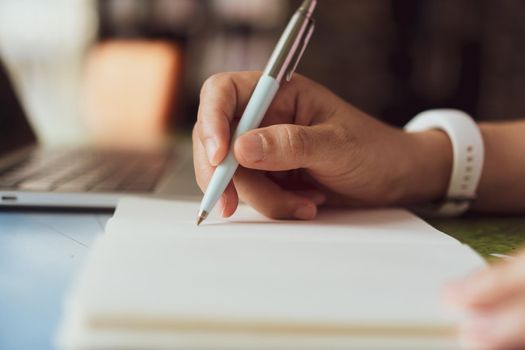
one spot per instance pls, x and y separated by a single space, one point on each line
252 117
258 105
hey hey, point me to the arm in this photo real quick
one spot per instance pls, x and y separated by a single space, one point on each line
502 185
345 156
344 152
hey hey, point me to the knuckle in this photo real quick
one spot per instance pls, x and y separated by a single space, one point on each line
343 137
296 144
212 83
340 140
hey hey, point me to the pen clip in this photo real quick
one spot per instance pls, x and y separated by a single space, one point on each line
300 51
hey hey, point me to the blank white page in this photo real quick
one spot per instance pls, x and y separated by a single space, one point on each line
135 216
346 271
166 278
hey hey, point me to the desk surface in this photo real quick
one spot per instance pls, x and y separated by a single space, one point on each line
40 252
487 235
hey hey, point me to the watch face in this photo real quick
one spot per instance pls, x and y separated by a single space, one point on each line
15 131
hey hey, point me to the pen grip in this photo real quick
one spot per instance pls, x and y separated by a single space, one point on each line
252 117
260 101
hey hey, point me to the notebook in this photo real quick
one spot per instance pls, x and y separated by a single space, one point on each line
349 279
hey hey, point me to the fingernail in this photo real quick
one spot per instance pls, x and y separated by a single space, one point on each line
305 212
211 150
253 148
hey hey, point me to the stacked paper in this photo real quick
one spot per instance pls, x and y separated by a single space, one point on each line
350 279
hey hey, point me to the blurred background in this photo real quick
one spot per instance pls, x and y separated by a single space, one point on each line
129 71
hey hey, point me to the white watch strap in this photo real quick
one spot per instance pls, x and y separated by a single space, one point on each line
467 145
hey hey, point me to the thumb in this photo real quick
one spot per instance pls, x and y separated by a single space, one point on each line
284 147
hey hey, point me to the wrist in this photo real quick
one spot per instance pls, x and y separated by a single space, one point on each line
426 167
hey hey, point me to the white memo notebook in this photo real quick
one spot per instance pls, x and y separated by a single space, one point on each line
350 279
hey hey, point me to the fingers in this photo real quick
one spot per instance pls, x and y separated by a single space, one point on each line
224 97
221 97
269 199
317 197
229 201
501 327
203 173
257 190
285 147
488 286
494 300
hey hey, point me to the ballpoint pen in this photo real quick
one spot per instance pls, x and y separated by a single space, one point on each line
282 64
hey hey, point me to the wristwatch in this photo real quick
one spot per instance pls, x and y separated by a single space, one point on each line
468 149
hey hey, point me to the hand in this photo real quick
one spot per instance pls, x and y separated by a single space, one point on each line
494 299
312 149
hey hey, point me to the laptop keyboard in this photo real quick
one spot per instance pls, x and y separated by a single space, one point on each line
86 171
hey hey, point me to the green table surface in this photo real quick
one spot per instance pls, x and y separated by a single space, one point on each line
486 234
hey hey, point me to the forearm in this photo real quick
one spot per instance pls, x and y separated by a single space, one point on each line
502 184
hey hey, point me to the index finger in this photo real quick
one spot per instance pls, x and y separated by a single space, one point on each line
222 98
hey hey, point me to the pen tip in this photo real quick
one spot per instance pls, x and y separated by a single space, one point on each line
201 217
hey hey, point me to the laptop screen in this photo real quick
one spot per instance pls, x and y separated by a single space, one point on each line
15 131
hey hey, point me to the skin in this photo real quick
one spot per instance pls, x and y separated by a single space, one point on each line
494 300
314 149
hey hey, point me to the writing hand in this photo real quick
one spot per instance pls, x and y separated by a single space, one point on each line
313 148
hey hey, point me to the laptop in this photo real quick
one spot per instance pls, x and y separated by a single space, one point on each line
32 176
